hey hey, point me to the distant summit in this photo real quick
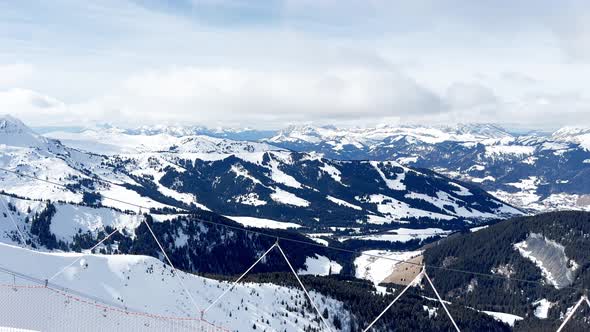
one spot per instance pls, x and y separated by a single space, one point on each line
14 132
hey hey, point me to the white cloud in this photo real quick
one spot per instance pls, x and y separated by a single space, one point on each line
215 95
470 95
14 74
33 107
572 28
131 62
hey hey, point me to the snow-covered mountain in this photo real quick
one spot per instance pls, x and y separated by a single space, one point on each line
578 135
246 179
533 171
112 141
348 203
366 138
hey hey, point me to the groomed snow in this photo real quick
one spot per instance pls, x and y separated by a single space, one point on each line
145 284
321 266
263 223
376 269
280 177
395 210
69 219
509 319
401 235
332 171
542 307
393 184
285 197
343 203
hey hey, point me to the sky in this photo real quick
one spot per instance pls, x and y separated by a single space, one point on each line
267 64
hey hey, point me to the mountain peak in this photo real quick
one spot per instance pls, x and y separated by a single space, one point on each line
578 135
12 125
481 129
13 132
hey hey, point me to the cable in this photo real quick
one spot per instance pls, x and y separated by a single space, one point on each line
586 290
71 189
238 280
304 289
394 300
171 265
14 222
441 301
82 256
571 313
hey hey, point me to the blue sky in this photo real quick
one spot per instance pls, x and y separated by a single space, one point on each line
270 63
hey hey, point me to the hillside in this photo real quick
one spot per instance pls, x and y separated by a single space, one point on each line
265 301
535 171
550 251
122 281
243 179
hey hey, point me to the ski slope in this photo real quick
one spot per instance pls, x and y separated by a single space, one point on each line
145 284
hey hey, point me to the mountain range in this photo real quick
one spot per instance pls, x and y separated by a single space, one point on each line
217 203
238 178
535 171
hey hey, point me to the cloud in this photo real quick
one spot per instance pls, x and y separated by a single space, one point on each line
264 64
14 74
572 28
470 95
32 106
243 95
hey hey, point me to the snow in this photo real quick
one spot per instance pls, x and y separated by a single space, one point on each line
525 197
377 269
393 184
407 160
69 219
394 210
359 137
343 203
145 284
332 171
285 197
280 177
486 178
443 200
542 307
113 141
475 229
14 329
240 171
549 256
529 183
577 135
250 199
476 168
432 312
157 175
320 265
462 190
320 241
509 319
518 150
401 235
120 194
263 223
